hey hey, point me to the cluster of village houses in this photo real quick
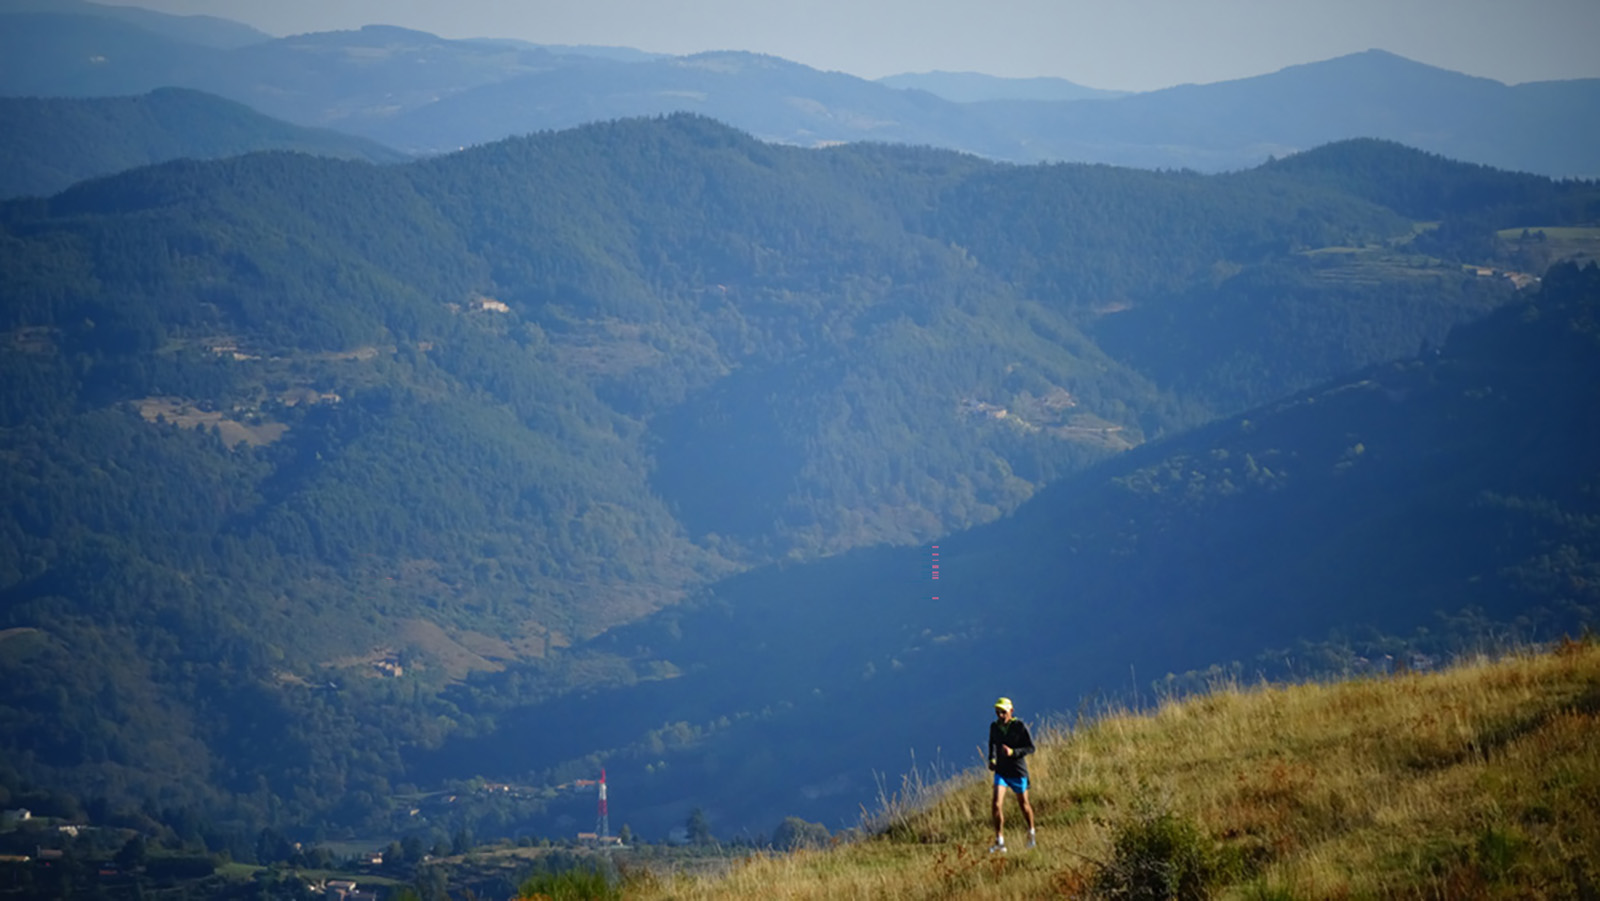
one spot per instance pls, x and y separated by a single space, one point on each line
334 889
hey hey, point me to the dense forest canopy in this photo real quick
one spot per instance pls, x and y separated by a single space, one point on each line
316 467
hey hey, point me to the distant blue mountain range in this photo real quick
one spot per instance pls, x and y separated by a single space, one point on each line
423 94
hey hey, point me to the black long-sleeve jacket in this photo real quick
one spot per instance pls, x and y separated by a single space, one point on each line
1013 733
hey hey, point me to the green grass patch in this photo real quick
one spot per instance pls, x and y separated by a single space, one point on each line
1554 232
1324 251
239 872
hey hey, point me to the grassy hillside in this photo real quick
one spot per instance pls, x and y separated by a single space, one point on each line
1478 781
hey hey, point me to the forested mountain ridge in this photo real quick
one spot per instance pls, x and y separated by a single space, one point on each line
424 94
320 80
48 144
1373 94
274 420
204 31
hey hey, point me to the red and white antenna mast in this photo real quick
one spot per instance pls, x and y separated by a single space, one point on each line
602 826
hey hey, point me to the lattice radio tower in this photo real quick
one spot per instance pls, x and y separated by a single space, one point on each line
602 824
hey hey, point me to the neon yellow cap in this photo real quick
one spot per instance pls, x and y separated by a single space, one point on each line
1003 704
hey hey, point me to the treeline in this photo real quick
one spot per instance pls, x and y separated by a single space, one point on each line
49 143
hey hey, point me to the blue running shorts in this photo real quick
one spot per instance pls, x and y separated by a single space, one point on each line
1018 785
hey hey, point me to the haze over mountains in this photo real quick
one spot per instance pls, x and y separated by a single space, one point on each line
974 87
423 94
337 484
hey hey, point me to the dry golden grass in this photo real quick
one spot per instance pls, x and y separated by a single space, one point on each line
1480 781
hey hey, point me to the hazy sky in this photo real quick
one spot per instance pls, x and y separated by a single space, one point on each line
1120 44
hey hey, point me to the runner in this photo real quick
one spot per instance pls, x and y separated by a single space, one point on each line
1009 746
